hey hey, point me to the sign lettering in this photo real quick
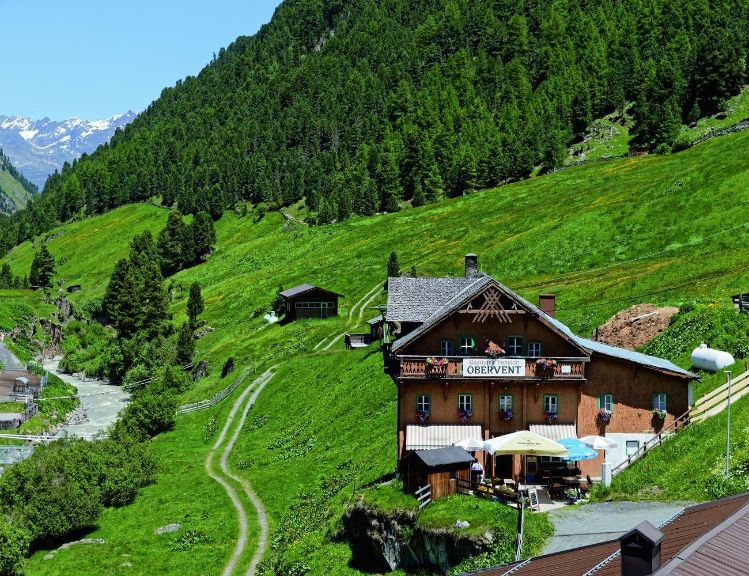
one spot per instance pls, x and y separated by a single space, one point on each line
494 367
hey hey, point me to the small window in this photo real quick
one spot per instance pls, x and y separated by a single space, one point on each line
606 402
534 349
424 403
551 403
515 345
465 402
632 447
659 401
505 403
446 348
467 345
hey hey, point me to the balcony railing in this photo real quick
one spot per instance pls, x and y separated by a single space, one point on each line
417 367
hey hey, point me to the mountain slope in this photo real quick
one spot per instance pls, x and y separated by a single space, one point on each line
39 147
15 189
358 105
667 230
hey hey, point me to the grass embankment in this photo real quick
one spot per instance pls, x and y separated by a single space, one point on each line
13 189
601 236
691 465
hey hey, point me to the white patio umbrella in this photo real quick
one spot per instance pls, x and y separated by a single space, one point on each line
599 442
470 444
526 443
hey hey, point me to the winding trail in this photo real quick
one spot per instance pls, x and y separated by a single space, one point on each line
353 315
225 477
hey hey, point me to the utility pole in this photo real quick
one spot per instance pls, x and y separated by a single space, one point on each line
728 424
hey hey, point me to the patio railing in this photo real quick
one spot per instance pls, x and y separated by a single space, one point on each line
417 367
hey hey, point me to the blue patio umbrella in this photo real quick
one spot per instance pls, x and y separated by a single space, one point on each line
577 450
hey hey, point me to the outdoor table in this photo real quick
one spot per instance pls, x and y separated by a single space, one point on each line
572 481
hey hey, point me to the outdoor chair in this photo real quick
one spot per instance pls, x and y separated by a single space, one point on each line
556 488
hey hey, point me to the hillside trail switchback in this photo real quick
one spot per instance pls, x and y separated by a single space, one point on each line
225 477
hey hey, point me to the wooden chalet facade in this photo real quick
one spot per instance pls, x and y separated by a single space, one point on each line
548 380
309 301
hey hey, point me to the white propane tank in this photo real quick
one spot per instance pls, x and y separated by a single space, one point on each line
709 359
270 318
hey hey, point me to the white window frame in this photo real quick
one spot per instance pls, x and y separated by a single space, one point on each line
465 402
534 349
503 405
629 450
467 345
424 403
447 348
551 399
514 345
606 401
660 401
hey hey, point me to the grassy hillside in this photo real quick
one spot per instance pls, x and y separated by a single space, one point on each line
667 230
15 189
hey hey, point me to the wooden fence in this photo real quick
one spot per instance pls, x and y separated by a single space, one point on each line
424 496
216 398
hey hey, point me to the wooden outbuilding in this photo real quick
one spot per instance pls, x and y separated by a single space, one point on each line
310 301
441 468
74 288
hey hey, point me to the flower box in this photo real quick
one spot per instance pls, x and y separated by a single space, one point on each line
604 415
493 350
436 366
550 417
422 415
660 414
464 415
545 367
505 415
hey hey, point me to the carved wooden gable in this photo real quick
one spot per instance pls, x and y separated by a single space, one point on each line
492 303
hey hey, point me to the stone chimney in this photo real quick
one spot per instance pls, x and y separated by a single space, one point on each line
641 550
548 304
472 266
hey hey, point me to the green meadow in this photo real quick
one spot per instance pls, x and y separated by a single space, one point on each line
602 236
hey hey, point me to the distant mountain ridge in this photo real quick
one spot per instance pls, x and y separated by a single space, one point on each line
39 147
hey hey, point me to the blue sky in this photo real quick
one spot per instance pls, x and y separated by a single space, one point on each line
96 58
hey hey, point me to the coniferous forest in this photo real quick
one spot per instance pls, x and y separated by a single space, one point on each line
357 105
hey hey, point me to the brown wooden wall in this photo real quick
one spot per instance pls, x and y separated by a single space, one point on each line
416 474
462 325
293 313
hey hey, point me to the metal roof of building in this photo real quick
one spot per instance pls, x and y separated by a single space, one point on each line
302 288
442 307
444 456
554 431
417 299
375 320
686 528
434 436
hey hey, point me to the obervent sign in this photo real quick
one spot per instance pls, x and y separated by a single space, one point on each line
493 367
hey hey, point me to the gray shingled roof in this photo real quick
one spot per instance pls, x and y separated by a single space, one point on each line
475 285
416 299
302 288
444 456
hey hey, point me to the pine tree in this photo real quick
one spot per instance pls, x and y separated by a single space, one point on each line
121 299
185 345
388 173
154 302
6 277
42 268
393 268
203 235
173 245
195 305
419 198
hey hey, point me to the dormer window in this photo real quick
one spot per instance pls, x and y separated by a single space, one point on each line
534 349
514 345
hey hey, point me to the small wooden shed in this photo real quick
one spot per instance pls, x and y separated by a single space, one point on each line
310 301
375 327
441 468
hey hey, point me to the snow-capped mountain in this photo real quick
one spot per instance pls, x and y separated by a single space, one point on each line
39 147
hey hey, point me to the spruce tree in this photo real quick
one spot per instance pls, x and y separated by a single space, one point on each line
121 299
203 235
195 305
173 246
42 268
185 345
393 268
419 198
154 302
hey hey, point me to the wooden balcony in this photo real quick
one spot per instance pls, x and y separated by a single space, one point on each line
467 367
